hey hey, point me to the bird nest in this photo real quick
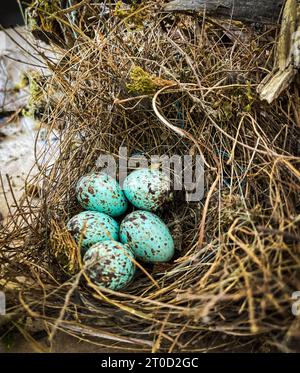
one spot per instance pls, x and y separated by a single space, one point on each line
165 84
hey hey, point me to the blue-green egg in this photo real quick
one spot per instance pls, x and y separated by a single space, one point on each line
147 189
92 227
148 236
110 264
100 192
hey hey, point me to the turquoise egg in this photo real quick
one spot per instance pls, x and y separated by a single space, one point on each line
100 192
148 237
109 264
147 189
93 227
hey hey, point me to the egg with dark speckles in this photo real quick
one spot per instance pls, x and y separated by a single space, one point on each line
148 236
100 192
110 264
92 227
147 189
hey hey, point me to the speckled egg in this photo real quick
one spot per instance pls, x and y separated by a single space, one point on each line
109 264
100 192
94 227
147 189
148 236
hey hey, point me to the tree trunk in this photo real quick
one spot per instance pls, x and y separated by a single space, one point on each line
260 11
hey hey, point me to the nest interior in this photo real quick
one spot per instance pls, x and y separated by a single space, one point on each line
165 84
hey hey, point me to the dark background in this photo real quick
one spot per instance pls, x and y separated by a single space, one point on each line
10 14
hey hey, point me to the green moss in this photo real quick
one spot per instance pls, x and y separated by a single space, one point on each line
227 109
39 14
120 11
23 82
133 20
141 82
249 96
35 94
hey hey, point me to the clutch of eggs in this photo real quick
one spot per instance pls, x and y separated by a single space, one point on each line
142 234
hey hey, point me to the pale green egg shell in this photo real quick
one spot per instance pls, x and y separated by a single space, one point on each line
92 227
100 192
147 189
148 236
109 264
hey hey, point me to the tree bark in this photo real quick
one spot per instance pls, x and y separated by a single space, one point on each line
260 11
